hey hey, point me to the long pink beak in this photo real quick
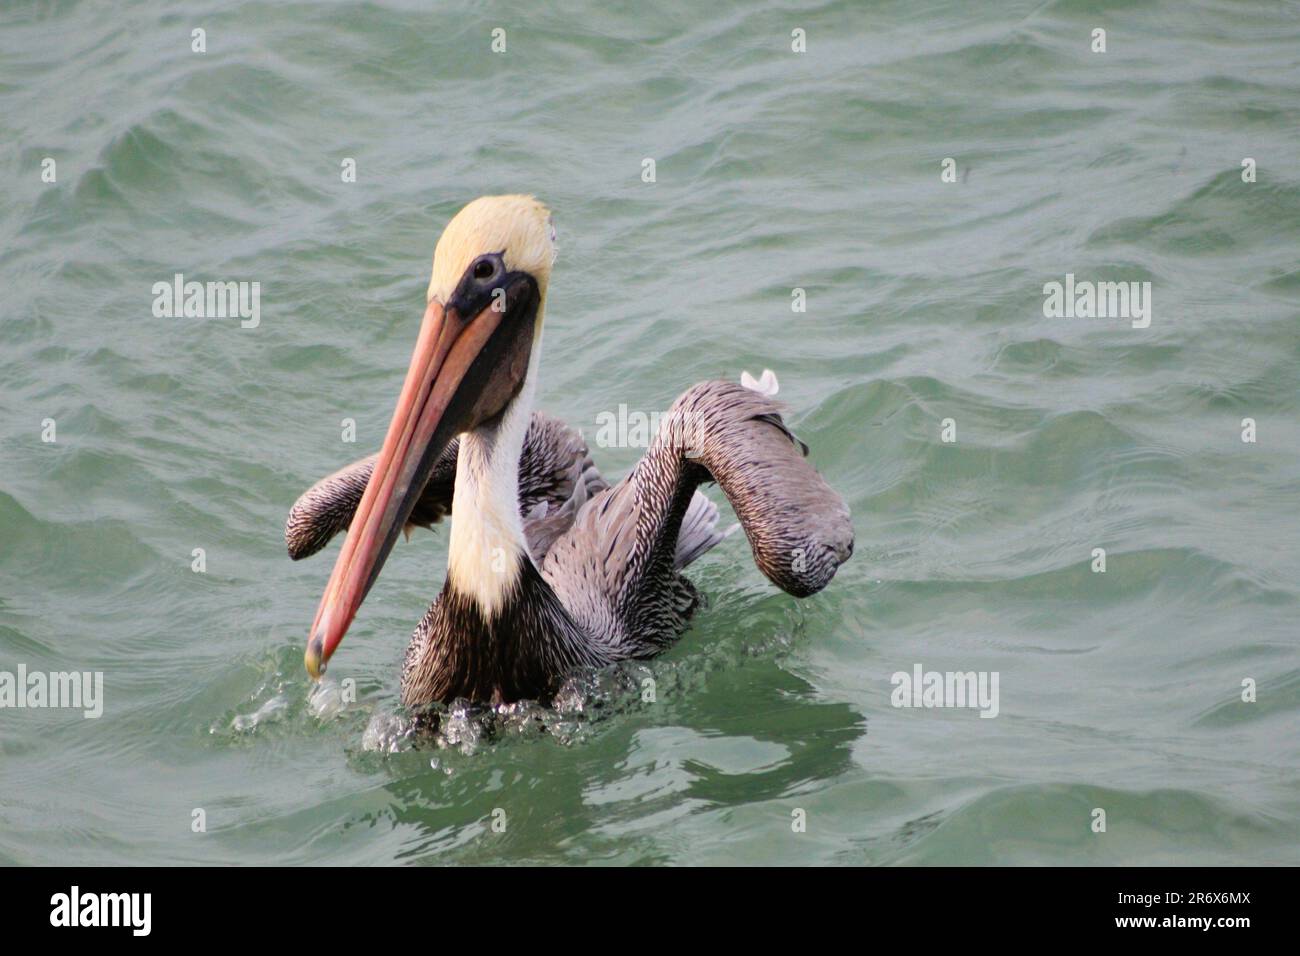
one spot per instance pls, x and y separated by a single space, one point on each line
444 353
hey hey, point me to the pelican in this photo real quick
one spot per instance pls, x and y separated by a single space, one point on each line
550 568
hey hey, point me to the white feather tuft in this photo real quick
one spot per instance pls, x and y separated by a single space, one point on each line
765 385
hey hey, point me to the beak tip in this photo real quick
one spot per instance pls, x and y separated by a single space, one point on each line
312 659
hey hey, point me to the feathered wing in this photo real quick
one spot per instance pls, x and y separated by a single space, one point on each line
616 568
556 477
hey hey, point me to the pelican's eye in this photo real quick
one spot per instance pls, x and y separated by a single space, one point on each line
484 268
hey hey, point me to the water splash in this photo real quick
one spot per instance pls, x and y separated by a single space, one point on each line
583 700
327 699
274 710
278 700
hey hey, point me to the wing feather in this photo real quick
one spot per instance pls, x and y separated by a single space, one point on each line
556 477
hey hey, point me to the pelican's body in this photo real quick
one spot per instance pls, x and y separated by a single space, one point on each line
549 567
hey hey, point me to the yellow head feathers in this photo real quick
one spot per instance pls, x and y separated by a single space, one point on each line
518 226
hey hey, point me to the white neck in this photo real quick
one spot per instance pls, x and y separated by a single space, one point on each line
487 536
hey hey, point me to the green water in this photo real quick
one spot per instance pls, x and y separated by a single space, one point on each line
774 170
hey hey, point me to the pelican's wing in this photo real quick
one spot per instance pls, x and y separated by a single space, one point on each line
556 476
616 568
327 507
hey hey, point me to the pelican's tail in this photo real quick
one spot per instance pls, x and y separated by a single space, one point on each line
699 530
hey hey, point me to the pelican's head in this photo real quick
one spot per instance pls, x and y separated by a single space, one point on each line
483 314
516 227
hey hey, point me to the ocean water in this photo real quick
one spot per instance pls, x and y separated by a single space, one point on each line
772 736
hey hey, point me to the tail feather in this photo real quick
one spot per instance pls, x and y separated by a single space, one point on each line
699 530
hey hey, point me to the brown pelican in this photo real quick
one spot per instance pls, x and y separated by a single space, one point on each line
549 567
